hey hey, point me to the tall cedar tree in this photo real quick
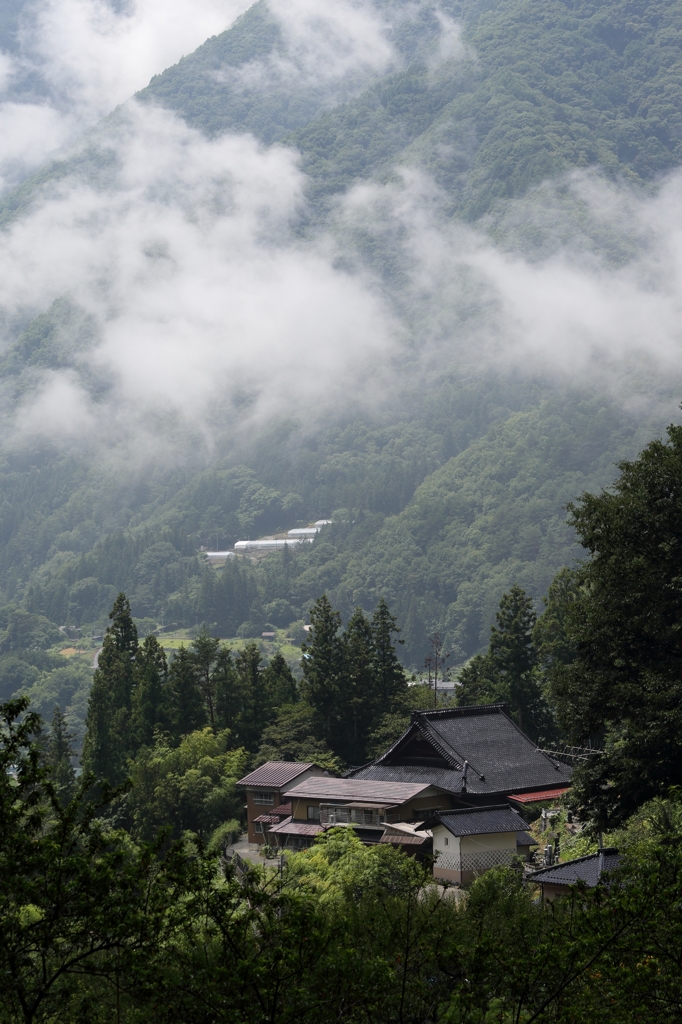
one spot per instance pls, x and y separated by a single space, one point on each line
186 707
279 684
391 680
204 651
151 696
322 664
358 700
107 740
505 673
248 726
626 679
59 757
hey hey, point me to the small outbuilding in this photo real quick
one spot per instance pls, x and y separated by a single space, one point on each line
469 841
557 880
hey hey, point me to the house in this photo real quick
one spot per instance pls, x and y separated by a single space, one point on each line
319 803
266 789
469 841
556 880
476 754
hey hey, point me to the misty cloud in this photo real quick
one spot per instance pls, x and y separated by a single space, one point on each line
214 303
75 60
199 287
575 312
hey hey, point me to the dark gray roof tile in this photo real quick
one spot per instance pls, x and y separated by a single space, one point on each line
478 821
588 869
501 758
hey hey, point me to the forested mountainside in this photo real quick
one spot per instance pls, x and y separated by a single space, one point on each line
531 90
449 482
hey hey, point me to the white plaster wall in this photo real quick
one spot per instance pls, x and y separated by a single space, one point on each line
447 856
490 841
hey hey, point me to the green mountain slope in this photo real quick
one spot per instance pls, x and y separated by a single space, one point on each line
442 553
445 499
539 87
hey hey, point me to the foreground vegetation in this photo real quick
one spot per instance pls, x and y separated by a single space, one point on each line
96 926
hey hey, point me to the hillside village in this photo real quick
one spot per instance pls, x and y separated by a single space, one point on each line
459 790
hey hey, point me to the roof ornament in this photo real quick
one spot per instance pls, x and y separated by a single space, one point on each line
464 776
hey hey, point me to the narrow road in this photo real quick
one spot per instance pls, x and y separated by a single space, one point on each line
95 660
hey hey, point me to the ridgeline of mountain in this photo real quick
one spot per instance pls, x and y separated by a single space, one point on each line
444 503
537 87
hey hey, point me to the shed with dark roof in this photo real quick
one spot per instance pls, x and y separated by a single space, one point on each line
470 841
478 754
556 880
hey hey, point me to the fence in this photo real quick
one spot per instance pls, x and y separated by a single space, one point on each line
477 862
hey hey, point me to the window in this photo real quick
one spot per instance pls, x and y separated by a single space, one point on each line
264 798
258 825
446 841
313 814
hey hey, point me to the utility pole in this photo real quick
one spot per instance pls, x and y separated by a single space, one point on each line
436 658
428 662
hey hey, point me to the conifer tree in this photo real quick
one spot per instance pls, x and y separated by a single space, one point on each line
391 680
233 696
248 727
279 684
204 651
322 664
186 707
59 756
505 672
358 698
108 740
150 702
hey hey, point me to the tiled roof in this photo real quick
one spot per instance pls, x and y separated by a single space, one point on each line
441 777
525 839
284 809
480 821
536 798
501 758
404 840
275 773
587 869
268 819
297 828
322 787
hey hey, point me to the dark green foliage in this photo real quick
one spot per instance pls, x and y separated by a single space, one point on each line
23 631
205 650
79 905
351 678
359 696
322 664
292 736
506 672
186 708
623 624
389 674
108 739
278 683
97 926
151 697
59 757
